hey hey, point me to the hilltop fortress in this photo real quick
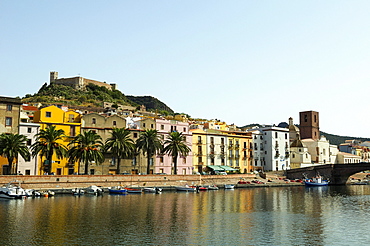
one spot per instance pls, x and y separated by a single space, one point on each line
78 82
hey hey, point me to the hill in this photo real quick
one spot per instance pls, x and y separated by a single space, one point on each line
93 95
150 103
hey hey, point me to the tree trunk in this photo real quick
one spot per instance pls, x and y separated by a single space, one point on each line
118 170
148 164
175 164
10 163
86 167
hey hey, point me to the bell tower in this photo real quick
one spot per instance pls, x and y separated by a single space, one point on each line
309 125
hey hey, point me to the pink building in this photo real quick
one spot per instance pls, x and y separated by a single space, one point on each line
164 163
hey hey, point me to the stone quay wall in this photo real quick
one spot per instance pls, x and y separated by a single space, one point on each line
40 182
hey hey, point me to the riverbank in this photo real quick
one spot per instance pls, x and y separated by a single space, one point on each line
61 183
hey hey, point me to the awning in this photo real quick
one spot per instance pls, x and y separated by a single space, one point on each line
216 168
226 168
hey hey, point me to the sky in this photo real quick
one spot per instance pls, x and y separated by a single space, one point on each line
241 62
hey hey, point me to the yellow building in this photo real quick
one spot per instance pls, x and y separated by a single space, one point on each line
199 150
239 150
70 123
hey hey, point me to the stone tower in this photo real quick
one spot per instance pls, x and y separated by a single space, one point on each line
53 76
309 125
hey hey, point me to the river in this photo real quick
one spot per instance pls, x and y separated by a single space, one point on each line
252 216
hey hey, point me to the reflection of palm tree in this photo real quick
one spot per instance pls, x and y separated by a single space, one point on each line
47 144
120 144
150 143
176 145
12 145
86 148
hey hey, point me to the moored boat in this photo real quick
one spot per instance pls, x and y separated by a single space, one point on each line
185 188
318 181
12 190
211 187
134 190
94 190
229 186
152 190
117 190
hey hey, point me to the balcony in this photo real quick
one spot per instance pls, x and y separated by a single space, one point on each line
237 146
199 154
199 142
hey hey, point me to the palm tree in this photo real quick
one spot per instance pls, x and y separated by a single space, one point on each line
150 143
47 144
176 145
86 148
12 145
120 144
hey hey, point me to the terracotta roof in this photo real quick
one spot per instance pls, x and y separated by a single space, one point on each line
30 108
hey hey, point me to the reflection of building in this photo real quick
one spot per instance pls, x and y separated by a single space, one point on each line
70 123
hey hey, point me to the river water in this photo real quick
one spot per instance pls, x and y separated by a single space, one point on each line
252 216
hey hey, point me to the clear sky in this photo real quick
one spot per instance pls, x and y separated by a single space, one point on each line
241 62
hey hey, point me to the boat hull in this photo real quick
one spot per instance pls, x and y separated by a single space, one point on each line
316 184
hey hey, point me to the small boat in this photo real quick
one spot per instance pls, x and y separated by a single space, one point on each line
47 193
152 190
78 192
32 193
134 190
229 186
94 190
185 188
318 181
12 190
211 187
117 190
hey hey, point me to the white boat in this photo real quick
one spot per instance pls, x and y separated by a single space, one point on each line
229 186
78 191
12 190
152 190
318 181
185 188
211 187
94 190
32 193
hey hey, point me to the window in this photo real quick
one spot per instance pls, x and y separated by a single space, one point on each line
162 127
135 134
27 172
9 107
151 126
286 136
8 121
305 118
144 124
276 135
29 129
161 159
93 121
71 118
184 129
29 142
114 123
48 114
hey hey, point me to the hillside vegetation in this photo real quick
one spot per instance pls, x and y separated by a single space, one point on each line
93 95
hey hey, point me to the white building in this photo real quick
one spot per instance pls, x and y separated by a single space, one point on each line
271 148
299 155
322 152
29 130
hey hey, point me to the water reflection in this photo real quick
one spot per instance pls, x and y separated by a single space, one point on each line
259 216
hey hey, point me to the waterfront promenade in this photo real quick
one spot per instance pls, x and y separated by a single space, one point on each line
60 182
